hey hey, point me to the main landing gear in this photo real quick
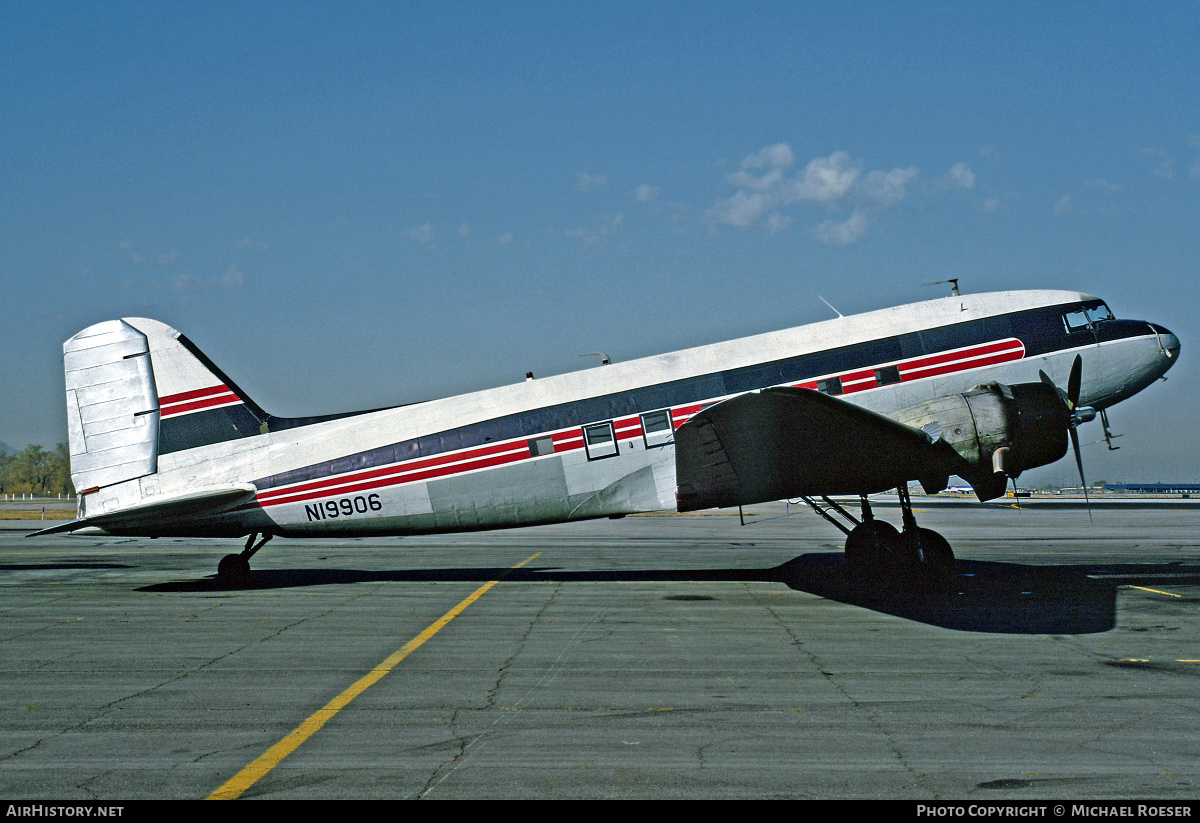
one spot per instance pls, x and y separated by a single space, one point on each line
234 569
875 549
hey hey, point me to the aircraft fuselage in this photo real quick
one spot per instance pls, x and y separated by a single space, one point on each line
599 442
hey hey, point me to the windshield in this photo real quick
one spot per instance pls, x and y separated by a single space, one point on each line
1087 316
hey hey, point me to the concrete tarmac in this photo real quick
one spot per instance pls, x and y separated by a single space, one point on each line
649 657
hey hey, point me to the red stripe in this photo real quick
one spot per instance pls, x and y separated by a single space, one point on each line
628 428
211 402
192 394
954 367
567 441
945 357
364 485
682 414
386 475
498 454
858 381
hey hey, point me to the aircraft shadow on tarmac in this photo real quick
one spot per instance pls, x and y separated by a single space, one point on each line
66 565
982 596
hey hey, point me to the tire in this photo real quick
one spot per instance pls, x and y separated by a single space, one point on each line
869 547
233 571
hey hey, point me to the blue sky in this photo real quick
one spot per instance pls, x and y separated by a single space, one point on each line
349 205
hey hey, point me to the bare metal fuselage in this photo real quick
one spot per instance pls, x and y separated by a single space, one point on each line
599 442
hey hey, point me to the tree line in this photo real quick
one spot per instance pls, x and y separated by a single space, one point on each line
36 470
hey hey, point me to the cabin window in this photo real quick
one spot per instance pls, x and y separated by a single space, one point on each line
541 445
656 427
599 441
887 375
832 385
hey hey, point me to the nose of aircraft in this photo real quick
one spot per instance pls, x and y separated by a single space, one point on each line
1169 341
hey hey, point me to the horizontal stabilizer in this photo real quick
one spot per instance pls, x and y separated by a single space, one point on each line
786 442
160 512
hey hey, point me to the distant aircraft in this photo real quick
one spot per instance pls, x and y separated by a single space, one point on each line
980 386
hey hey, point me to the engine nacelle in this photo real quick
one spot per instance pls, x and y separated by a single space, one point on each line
995 431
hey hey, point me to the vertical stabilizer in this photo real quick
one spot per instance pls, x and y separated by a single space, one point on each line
198 405
137 390
112 405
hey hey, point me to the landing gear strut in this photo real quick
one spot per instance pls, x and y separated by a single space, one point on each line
875 548
234 569
923 551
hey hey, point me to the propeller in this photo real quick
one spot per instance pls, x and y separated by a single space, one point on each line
1076 415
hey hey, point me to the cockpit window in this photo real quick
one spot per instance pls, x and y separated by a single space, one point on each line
1086 317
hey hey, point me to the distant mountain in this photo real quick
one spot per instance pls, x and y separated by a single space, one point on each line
6 449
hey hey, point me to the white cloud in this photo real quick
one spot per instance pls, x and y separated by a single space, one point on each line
765 190
250 243
590 182
827 179
141 257
464 230
776 157
879 190
504 239
1165 168
1063 206
742 209
230 279
595 238
646 194
778 224
422 234
960 176
834 233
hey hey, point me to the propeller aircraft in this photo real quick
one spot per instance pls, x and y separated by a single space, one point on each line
984 386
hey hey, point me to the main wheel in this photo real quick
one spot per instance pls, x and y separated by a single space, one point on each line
932 554
233 571
870 547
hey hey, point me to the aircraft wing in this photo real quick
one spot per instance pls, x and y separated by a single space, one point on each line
785 442
160 512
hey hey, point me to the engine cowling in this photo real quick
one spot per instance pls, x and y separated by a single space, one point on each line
995 431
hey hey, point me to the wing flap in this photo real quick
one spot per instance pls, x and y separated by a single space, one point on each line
786 442
138 518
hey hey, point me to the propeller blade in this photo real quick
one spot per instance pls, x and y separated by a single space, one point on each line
1079 462
1073 383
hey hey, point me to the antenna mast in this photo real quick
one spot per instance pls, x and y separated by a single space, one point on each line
953 281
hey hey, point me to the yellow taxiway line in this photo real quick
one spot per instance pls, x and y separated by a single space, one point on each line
251 774
1156 591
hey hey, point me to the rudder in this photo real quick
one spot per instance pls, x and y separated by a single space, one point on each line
112 405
